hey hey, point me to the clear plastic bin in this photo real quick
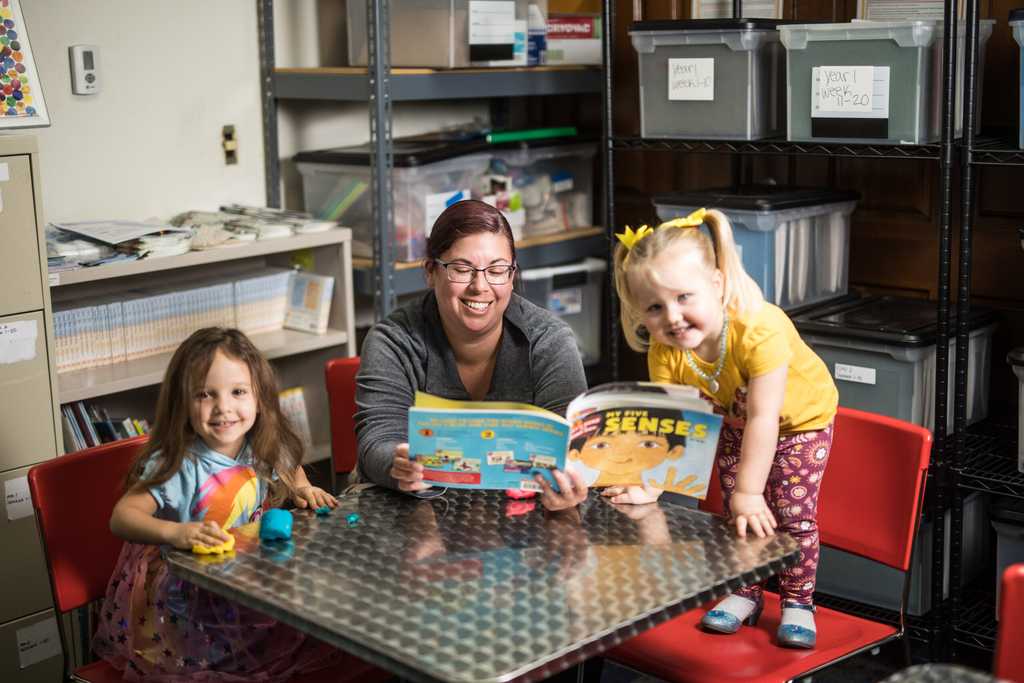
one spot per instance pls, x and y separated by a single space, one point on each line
850 576
427 177
887 77
573 292
1008 521
881 351
1017 24
550 183
794 242
710 78
1016 360
433 33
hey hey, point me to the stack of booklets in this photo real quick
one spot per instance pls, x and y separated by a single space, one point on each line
85 426
625 433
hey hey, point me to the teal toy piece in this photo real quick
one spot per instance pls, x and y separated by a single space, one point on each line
323 512
352 518
276 525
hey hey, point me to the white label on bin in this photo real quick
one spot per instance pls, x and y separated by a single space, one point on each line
492 22
566 301
37 642
856 92
854 373
437 203
19 501
691 79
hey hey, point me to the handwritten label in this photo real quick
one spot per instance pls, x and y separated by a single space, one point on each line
492 22
850 92
18 341
691 79
854 373
19 501
37 642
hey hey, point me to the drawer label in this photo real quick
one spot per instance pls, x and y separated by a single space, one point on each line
691 79
855 373
18 341
19 502
860 92
37 642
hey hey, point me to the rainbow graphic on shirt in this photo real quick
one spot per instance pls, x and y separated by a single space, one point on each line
229 497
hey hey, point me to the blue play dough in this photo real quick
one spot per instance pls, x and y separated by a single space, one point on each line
276 525
323 512
352 519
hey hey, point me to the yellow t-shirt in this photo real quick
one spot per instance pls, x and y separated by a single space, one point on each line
755 345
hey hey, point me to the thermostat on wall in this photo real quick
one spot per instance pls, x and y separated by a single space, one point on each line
84 68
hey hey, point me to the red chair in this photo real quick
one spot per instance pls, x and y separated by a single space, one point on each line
73 497
341 400
869 504
1009 664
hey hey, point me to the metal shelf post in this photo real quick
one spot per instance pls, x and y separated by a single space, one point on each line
379 48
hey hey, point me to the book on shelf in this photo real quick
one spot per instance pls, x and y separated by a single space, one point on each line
85 426
293 405
624 433
309 302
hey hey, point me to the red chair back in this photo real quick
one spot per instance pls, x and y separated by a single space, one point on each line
1009 664
341 399
73 496
863 506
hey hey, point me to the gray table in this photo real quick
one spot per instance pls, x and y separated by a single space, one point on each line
477 587
940 673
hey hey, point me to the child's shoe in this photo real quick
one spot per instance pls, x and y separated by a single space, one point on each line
797 627
728 615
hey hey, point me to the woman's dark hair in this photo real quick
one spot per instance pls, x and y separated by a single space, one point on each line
465 218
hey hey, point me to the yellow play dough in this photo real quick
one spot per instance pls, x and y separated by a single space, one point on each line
224 547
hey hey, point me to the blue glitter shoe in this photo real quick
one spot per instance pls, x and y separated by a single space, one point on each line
797 628
731 613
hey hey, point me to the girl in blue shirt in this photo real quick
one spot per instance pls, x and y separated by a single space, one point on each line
221 452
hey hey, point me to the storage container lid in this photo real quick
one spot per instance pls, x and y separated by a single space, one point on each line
405 153
544 143
1016 356
882 319
1007 510
757 197
677 25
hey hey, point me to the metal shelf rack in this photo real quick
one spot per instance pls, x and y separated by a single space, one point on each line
779 146
381 86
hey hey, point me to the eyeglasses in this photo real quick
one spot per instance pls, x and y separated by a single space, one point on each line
464 273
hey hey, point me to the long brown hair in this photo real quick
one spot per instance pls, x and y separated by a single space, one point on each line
276 447
741 294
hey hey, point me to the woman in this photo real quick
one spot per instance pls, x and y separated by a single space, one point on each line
470 337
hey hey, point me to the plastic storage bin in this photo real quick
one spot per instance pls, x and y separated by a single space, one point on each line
881 351
1016 360
550 184
884 80
573 292
1017 24
710 79
850 576
427 177
794 242
1008 521
435 33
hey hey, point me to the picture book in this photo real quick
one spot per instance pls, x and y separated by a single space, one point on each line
309 302
624 433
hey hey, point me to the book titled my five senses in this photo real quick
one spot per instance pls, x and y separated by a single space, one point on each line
625 433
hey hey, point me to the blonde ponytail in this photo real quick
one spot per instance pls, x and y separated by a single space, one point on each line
742 293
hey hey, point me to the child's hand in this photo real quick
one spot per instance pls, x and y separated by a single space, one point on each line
632 495
313 497
188 534
751 510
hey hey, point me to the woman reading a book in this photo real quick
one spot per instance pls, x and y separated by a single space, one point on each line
470 337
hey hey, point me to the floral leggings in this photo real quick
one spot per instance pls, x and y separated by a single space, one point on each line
792 495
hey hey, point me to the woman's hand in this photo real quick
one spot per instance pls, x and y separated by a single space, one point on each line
188 534
571 490
406 473
313 497
749 510
632 495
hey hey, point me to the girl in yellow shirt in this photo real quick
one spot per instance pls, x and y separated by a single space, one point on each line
687 302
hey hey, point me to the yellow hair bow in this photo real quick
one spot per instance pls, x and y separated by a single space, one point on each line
630 238
695 219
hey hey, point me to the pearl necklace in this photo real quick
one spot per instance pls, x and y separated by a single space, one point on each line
712 379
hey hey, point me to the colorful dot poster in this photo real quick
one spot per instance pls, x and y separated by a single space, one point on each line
22 104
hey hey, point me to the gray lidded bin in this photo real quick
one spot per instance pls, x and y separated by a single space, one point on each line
1008 521
881 351
1016 360
793 241
912 51
851 576
1017 24
742 56
572 292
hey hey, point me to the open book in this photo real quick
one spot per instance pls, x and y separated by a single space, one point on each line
614 434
